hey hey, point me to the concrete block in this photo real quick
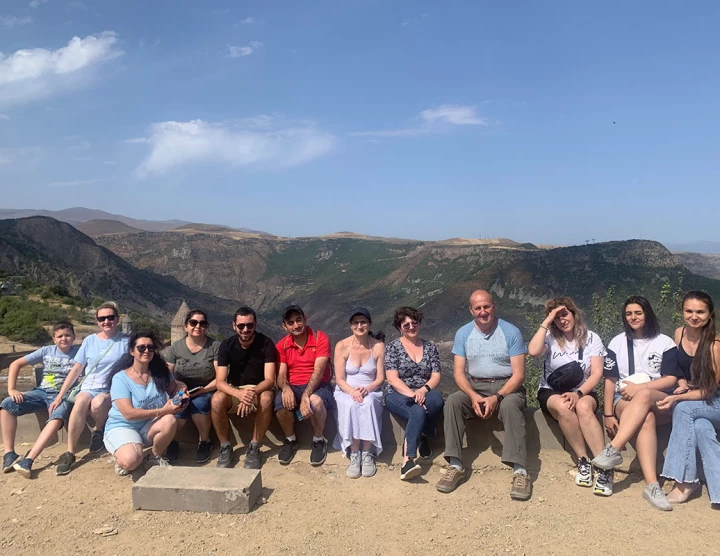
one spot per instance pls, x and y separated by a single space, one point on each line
197 489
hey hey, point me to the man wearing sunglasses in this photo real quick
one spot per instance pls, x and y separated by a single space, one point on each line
304 381
245 381
489 370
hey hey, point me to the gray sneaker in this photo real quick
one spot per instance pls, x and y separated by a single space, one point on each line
368 464
609 458
355 468
654 494
156 461
10 459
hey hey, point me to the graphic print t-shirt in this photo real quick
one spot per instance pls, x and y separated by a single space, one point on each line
656 356
556 356
141 397
56 365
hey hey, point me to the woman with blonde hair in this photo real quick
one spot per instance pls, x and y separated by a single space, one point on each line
574 358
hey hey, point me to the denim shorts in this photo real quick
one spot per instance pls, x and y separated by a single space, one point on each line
324 392
92 392
35 400
199 405
117 438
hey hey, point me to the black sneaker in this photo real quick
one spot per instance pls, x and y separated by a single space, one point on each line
424 450
10 459
410 470
287 452
203 452
225 457
65 463
252 457
96 441
173 451
318 454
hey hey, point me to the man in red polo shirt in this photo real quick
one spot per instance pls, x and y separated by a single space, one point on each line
303 384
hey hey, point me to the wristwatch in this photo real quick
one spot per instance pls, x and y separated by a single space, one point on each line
500 398
578 392
427 387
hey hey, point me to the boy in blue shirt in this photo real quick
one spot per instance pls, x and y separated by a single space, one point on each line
57 361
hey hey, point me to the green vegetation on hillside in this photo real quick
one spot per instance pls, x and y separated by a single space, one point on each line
22 320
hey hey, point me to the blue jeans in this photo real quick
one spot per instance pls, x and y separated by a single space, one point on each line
35 400
419 421
693 430
200 404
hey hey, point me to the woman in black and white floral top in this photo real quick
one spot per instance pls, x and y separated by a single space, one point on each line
412 366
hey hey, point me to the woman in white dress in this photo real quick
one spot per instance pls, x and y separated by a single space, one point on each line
359 375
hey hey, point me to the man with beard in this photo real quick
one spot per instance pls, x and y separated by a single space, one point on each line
245 384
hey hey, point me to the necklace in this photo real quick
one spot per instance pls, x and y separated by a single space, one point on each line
144 381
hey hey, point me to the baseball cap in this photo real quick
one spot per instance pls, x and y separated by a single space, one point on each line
360 311
292 309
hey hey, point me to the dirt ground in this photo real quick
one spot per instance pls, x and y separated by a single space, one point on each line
320 511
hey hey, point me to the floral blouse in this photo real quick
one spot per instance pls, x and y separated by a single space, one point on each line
414 375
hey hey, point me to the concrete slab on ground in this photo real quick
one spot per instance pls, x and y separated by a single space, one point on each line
198 489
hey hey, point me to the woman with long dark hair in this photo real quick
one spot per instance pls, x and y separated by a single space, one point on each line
641 366
697 413
193 360
142 412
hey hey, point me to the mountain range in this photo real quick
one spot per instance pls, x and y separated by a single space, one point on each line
218 269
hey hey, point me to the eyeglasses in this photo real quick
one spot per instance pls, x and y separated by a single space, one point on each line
410 325
243 326
201 323
109 318
360 323
142 348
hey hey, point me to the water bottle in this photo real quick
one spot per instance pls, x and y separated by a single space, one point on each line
177 398
299 415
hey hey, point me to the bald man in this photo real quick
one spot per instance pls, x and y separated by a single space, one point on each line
489 369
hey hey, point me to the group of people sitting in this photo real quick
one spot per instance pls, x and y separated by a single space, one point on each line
138 399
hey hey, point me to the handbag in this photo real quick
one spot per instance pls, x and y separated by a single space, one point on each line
568 376
75 390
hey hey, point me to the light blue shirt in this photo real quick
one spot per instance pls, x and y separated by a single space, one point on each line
56 365
97 370
488 355
141 397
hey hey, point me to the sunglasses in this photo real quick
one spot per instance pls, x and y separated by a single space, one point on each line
142 348
108 318
243 326
201 323
357 324
410 325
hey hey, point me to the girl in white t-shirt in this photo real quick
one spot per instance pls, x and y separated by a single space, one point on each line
563 338
634 383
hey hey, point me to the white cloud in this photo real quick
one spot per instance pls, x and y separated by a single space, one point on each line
75 183
248 21
240 51
433 120
175 144
453 114
37 3
31 74
11 154
4 117
11 21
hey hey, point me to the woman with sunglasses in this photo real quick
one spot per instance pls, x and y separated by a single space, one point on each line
96 357
697 413
413 372
143 409
359 375
193 360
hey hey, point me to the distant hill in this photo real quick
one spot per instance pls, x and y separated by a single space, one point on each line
215 229
695 247
704 264
329 275
50 252
101 227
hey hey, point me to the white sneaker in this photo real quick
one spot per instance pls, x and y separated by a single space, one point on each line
368 464
604 482
654 494
120 472
355 467
583 477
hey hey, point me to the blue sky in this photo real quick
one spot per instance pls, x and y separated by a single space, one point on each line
551 122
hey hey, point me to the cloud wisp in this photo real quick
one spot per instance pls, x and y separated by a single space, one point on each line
241 51
76 183
11 21
240 144
432 120
31 74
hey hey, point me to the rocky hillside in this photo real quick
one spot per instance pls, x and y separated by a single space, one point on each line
704 264
329 275
50 252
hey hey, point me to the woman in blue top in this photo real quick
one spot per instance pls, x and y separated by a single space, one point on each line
142 412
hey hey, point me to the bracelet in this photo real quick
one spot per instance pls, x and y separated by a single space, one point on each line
427 387
545 327
609 416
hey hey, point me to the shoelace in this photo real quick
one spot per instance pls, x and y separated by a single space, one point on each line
520 479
